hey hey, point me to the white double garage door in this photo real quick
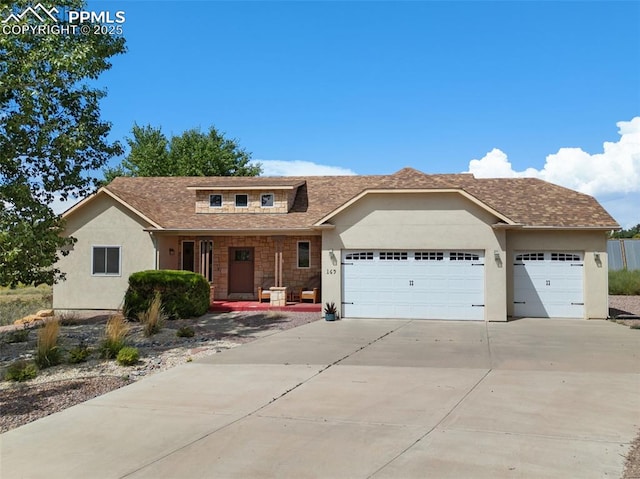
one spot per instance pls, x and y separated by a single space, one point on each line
450 284
413 284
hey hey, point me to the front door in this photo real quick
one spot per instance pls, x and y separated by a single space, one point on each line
240 270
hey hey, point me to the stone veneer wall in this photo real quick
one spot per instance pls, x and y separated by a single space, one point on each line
280 204
264 260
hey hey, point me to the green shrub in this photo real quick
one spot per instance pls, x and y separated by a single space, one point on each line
79 354
17 336
115 334
184 294
625 282
47 351
185 332
153 318
21 370
128 356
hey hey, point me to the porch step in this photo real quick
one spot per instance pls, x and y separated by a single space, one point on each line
226 306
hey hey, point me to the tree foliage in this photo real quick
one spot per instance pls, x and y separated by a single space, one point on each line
633 232
193 153
51 135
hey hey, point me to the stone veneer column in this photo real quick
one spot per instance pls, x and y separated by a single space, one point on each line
278 296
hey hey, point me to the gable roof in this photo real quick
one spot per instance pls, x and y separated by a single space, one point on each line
169 202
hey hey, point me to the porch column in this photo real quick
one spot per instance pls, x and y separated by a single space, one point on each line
278 242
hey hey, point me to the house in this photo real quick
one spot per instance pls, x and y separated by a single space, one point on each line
405 245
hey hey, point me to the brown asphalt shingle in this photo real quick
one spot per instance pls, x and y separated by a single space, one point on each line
527 201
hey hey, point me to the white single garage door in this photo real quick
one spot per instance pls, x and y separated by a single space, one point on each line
413 284
548 284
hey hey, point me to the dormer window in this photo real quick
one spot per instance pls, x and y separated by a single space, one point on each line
267 200
242 201
215 201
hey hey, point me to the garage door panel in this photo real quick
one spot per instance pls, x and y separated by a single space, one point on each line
413 284
548 284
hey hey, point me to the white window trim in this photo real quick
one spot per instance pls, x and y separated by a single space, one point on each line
298 255
273 196
113 275
221 200
236 200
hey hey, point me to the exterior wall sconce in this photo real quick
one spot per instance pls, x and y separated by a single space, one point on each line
333 258
172 251
496 255
596 256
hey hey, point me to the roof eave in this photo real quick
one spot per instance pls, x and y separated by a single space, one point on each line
570 228
234 232
214 187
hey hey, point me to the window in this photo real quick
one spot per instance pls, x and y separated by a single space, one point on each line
206 259
106 260
215 201
267 200
242 201
304 256
429 256
457 256
394 255
564 257
360 256
530 257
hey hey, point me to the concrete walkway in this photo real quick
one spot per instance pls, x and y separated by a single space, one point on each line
359 399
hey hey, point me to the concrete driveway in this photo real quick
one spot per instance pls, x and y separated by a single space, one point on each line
363 398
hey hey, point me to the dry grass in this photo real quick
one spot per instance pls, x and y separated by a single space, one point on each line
115 333
47 352
153 318
21 301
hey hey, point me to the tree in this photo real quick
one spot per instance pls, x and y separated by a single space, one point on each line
148 155
193 153
51 136
633 232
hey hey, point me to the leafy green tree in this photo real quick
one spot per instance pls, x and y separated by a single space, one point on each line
51 136
193 153
148 155
633 232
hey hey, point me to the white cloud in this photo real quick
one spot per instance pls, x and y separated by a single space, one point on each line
612 176
300 168
615 170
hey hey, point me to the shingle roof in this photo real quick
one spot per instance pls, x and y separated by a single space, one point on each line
170 201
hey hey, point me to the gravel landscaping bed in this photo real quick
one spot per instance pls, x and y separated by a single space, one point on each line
65 385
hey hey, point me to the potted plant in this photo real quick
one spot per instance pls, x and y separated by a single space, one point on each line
330 311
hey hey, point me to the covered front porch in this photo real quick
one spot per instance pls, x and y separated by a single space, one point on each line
239 267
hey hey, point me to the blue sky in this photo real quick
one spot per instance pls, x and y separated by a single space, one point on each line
524 88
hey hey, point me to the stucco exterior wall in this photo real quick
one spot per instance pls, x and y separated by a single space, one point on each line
417 221
596 278
101 222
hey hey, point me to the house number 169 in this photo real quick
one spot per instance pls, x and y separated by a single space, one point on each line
331 271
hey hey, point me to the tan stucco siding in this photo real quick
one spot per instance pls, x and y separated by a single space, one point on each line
431 221
596 279
102 222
